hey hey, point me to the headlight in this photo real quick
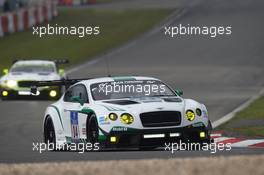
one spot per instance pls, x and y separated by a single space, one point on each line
113 116
11 83
53 93
4 93
127 118
198 112
190 115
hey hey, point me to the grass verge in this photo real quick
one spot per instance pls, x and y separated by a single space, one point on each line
248 122
116 27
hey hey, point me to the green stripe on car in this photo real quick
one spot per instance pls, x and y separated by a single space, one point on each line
58 114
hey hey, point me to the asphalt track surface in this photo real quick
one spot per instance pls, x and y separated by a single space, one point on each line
221 72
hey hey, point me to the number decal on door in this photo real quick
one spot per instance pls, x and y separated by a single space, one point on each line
74 126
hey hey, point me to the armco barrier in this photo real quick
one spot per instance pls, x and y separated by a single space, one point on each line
20 22
25 18
76 2
4 22
11 26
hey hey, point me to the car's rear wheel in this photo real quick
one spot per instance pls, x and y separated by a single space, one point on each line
49 133
92 130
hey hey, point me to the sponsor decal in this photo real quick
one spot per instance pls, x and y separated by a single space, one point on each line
204 114
103 120
119 129
199 124
74 126
84 131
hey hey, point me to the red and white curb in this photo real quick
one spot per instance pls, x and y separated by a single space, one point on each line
23 19
238 142
75 2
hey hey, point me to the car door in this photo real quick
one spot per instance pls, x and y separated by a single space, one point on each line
73 119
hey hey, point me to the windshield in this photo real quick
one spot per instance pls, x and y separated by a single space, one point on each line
27 68
130 89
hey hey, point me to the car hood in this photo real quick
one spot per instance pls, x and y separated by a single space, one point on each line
31 76
141 105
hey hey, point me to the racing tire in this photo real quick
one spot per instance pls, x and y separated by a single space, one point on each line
92 130
49 133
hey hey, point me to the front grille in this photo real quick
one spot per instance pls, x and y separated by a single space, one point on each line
160 118
25 83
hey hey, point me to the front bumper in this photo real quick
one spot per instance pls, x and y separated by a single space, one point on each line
156 137
25 94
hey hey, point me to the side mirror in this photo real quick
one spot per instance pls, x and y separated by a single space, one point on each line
77 99
61 72
179 92
5 71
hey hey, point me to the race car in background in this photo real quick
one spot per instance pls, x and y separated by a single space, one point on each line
100 111
31 70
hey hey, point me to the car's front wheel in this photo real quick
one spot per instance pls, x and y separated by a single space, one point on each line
49 133
92 130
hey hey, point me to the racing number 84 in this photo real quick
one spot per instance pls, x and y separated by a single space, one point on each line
74 125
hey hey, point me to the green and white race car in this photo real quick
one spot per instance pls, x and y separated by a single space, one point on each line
124 112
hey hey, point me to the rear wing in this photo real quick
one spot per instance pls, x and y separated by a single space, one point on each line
63 82
63 61
35 84
60 62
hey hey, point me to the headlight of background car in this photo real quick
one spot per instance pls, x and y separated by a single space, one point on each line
190 115
11 83
127 118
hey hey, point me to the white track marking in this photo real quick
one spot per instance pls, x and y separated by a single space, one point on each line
247 143
232 114
221 139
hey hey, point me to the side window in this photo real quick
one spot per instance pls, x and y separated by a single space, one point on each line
77 90
68 95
